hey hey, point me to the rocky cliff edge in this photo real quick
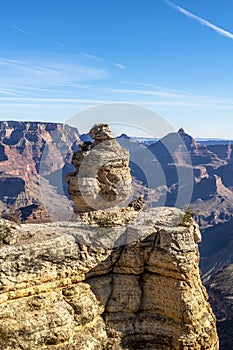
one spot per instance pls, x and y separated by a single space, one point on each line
61 287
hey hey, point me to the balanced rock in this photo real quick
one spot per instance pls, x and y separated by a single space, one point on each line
102 176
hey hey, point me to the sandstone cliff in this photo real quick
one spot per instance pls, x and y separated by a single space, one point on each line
63 287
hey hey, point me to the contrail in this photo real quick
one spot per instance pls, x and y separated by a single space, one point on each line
200 20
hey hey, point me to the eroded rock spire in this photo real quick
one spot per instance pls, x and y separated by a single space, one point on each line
102 175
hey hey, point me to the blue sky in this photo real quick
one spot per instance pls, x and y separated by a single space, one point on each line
60 57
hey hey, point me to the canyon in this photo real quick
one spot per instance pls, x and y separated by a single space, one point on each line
35 158
118 275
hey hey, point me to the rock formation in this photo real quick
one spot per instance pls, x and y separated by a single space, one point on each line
61 287
33 154
102 176
115 278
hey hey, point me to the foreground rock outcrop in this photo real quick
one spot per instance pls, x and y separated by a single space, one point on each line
68 285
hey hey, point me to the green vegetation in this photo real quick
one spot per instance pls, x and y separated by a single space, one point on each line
187 218
104 222
109 329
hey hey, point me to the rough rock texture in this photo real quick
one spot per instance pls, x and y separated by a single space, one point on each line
102 176
63 287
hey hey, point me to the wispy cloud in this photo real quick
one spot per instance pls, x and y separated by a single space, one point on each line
135 83
154 92
162 88
206 103
44 70
100 59
22 90
92 57
18 64
10 92
61 80
21 30
201 20
118 65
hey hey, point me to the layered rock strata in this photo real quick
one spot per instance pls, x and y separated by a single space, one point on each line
67 285
33 156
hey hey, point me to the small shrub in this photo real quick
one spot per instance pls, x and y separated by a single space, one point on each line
187 218
109 329
104 222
